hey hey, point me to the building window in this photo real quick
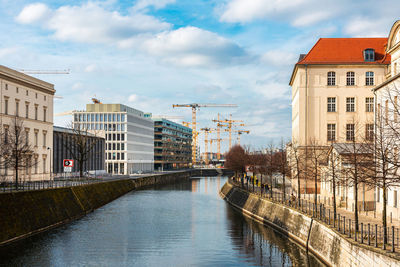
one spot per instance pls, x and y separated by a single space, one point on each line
36 138
27 93
369 54
36 165
331 132
331 104
369 132
6 106
27 110
122 137
350 78
36 112
369 78
16 108
369 104
122 117
331 78
44 165
350 104
350 132
17 89
44 114
6 86
44 138
44 98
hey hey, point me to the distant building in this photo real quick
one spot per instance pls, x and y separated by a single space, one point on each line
31 101
172 145
62 137
129 136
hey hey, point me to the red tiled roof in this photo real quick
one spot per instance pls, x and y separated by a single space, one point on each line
346 51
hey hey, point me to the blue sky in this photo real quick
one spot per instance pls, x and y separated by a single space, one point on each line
150 54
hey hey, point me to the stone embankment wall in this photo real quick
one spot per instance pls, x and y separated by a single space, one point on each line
328 245
23 214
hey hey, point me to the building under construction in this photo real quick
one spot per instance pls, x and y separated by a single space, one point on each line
172 145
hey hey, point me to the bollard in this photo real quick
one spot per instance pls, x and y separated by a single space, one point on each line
376 235
329 217
392 238
350 228
355 231
339 223
369 234
344 225
362 233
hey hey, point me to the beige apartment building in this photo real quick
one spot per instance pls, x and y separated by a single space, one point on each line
332 101
387 97
31 101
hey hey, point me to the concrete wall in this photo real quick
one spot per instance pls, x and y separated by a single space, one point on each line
23 214
327 244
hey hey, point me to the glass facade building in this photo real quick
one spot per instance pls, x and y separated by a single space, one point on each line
128 133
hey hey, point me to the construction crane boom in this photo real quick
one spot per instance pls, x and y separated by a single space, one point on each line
229 124
44 71
195 107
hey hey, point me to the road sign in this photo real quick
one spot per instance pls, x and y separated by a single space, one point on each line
68 163
67 169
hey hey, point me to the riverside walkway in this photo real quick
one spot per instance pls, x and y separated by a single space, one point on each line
369 230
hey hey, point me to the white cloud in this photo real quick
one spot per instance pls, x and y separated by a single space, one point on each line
310 18
91 68
92 23
7 51
192 46
133 98
279 58
157 4
367 27
33 13
249 10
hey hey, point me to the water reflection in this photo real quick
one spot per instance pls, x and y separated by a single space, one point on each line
185 224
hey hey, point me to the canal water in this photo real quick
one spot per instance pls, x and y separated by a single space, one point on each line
185 224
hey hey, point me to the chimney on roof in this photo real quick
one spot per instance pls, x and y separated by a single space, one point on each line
301 57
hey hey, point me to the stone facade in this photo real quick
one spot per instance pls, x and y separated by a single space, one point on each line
30 100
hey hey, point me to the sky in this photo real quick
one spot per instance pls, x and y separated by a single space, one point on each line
150 54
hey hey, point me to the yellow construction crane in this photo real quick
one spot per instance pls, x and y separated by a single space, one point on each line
44 71
228 123
240 132
206 131
195 107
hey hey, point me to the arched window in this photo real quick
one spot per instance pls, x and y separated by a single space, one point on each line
331 78
350 78
369 78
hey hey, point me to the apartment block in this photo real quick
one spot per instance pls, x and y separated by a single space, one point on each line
172 145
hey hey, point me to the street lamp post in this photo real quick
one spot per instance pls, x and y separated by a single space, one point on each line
49 149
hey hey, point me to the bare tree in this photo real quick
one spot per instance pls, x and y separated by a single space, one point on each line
270 164
81 145
236 159
334 173
316 158
386 156
296 164
357 156
20 152
282 164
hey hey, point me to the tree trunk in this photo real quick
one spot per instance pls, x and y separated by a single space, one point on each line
298 189
356 204
384 220
284 186
315 188
16 173
334 198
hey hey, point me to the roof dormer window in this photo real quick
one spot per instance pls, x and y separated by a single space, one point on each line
369 54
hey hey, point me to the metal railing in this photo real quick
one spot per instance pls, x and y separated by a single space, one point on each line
364 233
6 187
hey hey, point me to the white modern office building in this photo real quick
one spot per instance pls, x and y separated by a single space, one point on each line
129 136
